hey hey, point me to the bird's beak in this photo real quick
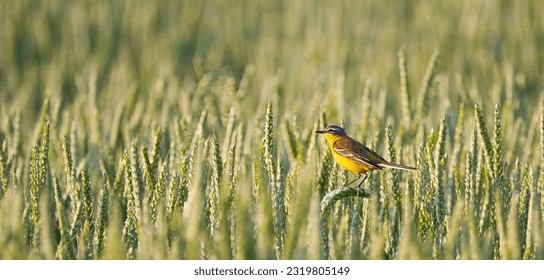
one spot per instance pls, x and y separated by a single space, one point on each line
320 131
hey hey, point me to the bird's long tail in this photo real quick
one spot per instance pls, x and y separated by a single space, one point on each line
396 166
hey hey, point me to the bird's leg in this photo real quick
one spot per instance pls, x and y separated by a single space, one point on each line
358 176
364 178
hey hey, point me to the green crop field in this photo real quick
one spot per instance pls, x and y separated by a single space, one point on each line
185 129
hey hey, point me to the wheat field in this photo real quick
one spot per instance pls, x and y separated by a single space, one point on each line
185 129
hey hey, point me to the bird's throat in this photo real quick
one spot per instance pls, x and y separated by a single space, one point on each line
331 138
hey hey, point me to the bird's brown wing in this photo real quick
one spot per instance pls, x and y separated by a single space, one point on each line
354 150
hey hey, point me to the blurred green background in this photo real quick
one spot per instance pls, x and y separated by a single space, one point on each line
51 48
113 72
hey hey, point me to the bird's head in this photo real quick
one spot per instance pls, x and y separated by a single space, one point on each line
332 132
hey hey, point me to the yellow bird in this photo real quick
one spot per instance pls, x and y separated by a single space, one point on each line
353 156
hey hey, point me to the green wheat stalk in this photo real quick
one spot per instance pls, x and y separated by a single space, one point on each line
130 229
458 137
480 192
103 216
404 89
529 248
419 191
74 191
150 163
326 204
497 146
322 185
484 136
458 142
44 147
396 212
232 178
523 208
459 188
395 176
187 174
89 224
203 168
77 221
173 203
43 154
325 173
118 183
149 177
213 199
279 213
181 181
65 249
158 192
488 219
69 168
423 202
276 180
264 227
289 185
370 223
187 166
154 157
428 78
335 215
440 162
516 178
228 132
136 177
29 226
354 233
3 171
269 148
440 200
471 163
500 180
38 166
340 193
